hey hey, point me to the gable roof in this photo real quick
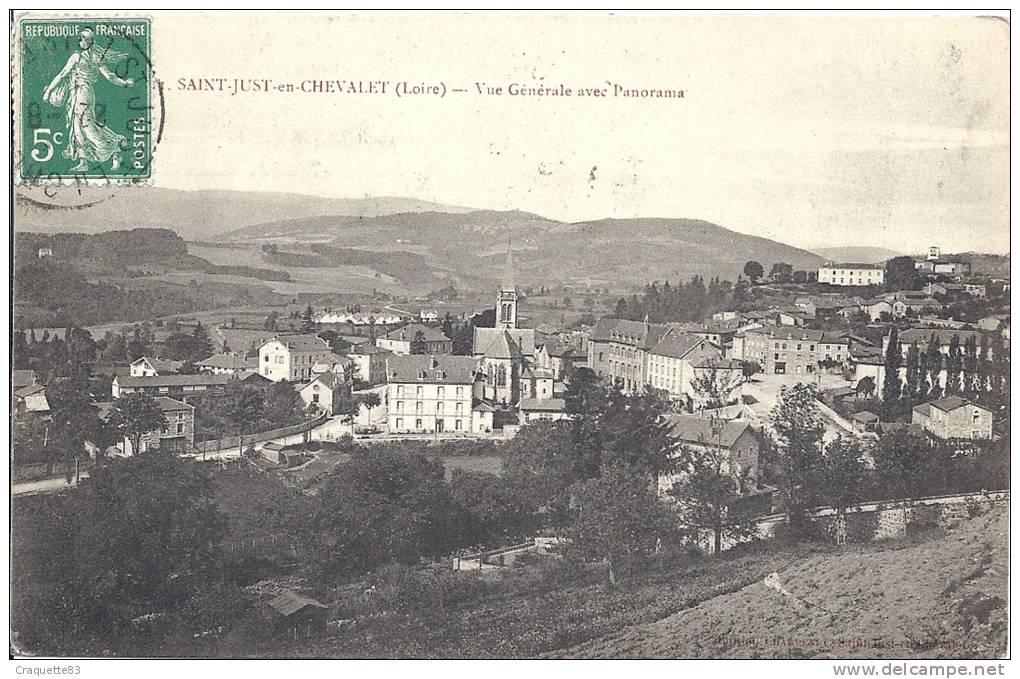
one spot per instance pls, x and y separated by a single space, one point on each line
230 361
170 404
22 378
950 403
549 405
159 364
677 346
443 369
409 331
329 379
300 343
289 602
694 429
635 333
524 338
503 346
172 380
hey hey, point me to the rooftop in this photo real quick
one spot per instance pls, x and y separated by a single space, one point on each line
436 369
411 330
302 343
172 380
694 429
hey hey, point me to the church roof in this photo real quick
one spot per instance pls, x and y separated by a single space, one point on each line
503 346
524 338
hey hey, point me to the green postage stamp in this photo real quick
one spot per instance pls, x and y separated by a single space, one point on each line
84 99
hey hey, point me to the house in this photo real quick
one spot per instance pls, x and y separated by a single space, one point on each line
273 453
537 383
370 362
740 443
21 378
953 417
360 319
174 386
792 350
876 307
326 391
147 366
428 316
618 350
921 337
178 436
434 394
555 356
228 363
291 357
535 409
864 421
979 290
296 615
951 267
851 274
45 252
399 341
31 400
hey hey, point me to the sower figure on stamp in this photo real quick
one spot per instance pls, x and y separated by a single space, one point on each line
88 140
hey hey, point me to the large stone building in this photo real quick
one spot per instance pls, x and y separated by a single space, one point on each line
435 394
370 361
177 436
292 357
740 445
791 350
851 274
401 341
618 350
952 417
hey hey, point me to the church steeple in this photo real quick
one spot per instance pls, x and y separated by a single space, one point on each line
506 301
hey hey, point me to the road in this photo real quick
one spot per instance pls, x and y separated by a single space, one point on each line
43 486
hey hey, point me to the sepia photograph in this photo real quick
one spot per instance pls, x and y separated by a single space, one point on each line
471 335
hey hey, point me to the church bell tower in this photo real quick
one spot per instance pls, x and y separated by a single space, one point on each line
506 301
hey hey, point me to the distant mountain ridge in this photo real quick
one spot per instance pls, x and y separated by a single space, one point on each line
464 246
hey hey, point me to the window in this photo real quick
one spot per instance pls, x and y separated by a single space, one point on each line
315 397
400 423
279 360
460 391
457 425
267 358
417 407
417 424
180 428
400 390
441 391
419 391
439 407
460 408
400 406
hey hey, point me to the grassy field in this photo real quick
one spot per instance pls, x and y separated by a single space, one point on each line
942 598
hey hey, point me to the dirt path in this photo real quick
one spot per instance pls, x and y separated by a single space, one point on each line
870 602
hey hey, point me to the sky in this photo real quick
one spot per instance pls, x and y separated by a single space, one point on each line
887 131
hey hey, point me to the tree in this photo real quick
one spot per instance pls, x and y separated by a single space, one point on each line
392 505
904 464
308 323
954 367
539 462
934 361
585 401
203 345
418 344
749 369
244 408
271 321
781 273
891 379
496 512
914 375
842 474
901 274
370 400
137 414
970 368
866 386
753 270
797 450
135 540
620 520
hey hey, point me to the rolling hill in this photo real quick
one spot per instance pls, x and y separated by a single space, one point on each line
602 253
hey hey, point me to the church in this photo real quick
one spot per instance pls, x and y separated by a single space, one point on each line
506 352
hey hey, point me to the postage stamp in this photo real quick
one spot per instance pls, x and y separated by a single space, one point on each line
84 102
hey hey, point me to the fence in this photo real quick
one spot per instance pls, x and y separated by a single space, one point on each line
234 442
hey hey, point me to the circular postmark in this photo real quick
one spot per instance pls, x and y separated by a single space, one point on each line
89 109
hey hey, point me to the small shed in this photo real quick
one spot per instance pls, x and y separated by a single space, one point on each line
273 452
297 615
865 420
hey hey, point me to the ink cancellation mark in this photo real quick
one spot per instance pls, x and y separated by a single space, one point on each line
85 103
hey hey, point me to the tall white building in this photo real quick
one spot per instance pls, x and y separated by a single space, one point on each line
852 274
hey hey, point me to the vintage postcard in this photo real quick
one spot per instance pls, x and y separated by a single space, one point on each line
472 335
